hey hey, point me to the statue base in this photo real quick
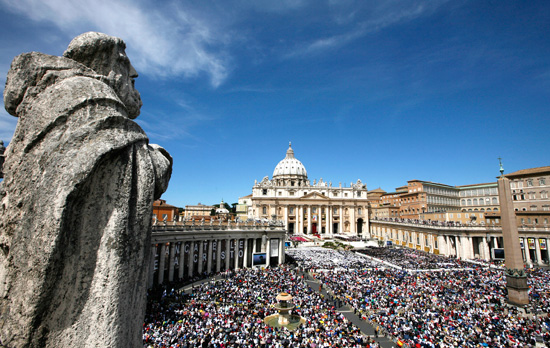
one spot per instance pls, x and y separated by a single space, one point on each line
518 290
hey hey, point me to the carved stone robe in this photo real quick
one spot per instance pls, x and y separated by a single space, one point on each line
76 210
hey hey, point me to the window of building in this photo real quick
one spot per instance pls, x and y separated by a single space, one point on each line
529 182
292 183
280 193
359 211
314 210
495 200
543 194
335 211
264 210
291 210
291 193
542 181
522 221
533 207
345 194
264 192
546 207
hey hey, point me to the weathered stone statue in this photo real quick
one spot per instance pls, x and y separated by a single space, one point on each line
79 183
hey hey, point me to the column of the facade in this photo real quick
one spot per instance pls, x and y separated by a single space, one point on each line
254 245
341 223
299 219
227 253
367 222
329 220
171 262
218 255
353 223
245 256
209 255
309 219
162 258
285 217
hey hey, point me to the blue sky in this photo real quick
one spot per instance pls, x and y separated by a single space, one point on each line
383 91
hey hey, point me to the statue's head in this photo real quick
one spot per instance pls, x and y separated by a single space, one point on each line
106 56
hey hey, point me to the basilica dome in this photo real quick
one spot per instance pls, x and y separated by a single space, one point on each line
290 167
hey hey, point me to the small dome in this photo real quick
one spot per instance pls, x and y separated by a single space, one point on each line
290 165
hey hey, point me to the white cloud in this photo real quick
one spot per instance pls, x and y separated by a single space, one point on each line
163 39
373 17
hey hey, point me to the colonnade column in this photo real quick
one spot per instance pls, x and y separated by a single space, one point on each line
218 255
209 261
254 245
162 258
191 263
171 262
267 250
181 263
245 256
236 253
227 258
152 265
537 250
200 257
485 246
281 250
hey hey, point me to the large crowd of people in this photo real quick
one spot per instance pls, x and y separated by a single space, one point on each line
452 303
411 259
229 313
424 222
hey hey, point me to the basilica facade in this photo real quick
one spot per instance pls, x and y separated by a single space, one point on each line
315 208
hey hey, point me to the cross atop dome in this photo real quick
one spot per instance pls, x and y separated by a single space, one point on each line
289 152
